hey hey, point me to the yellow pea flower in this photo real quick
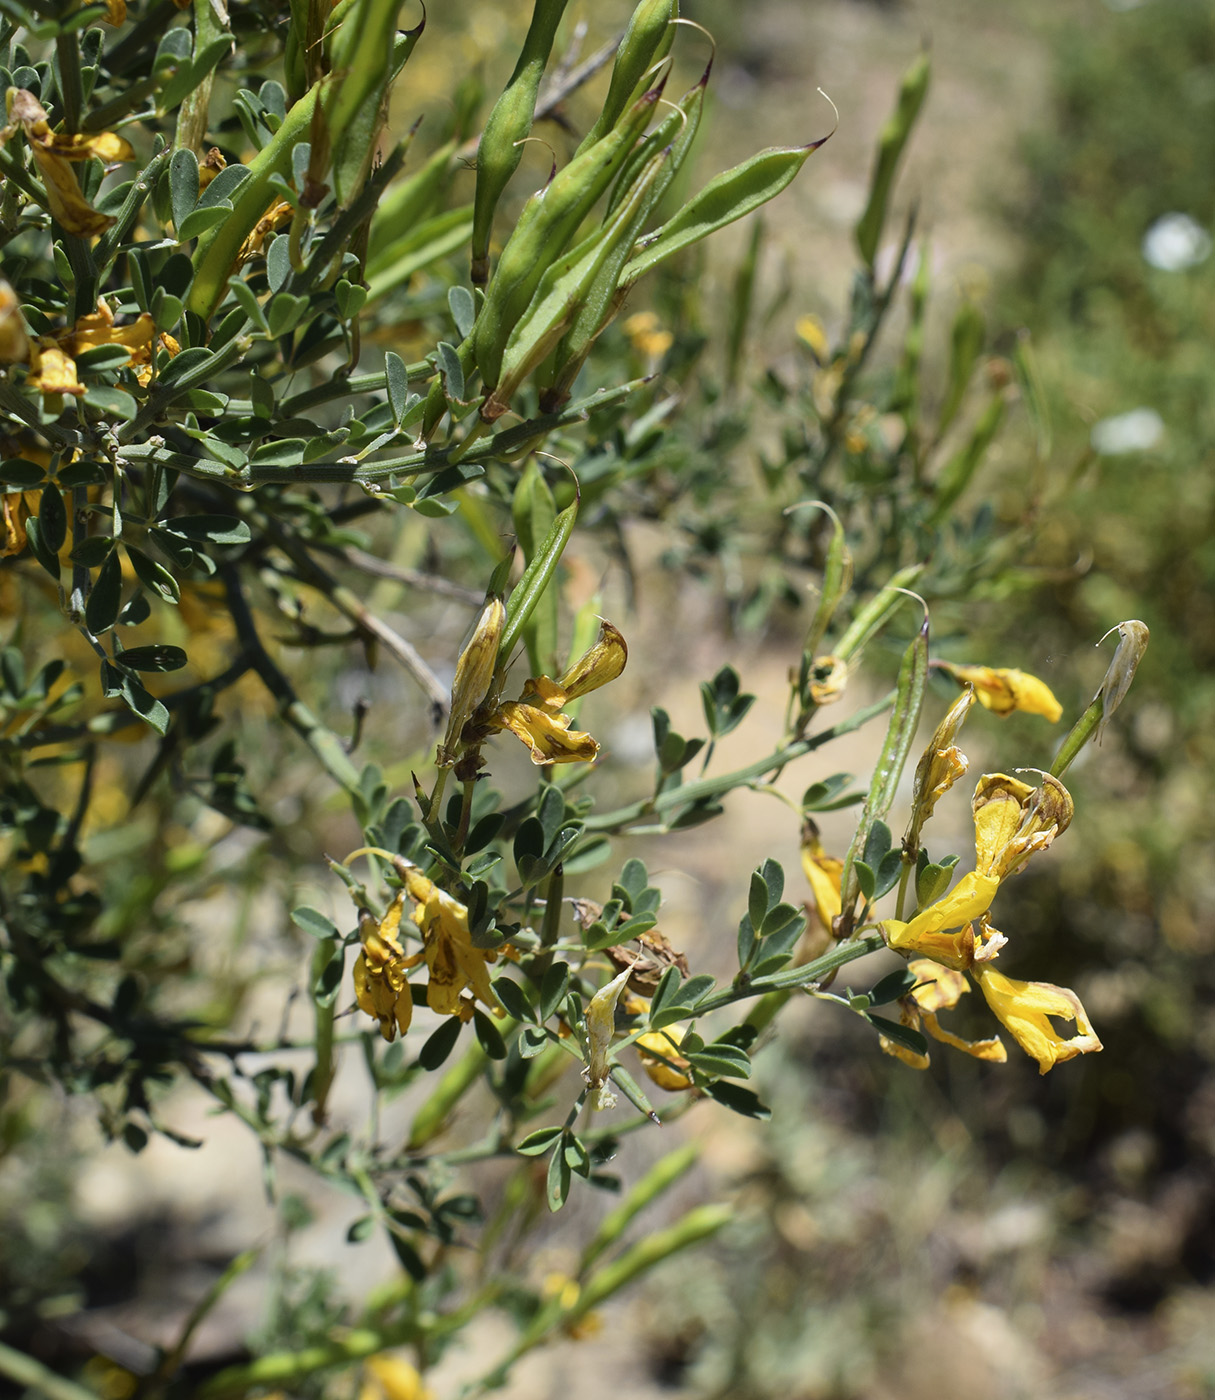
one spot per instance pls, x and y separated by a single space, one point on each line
448 950
474 676
944 931
1013 821
824 874
646 336
1002 691
536 717
16 507
391 1378
661 1060
52 369
1024 1009
380 987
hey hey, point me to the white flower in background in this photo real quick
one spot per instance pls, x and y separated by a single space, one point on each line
1137 431
1176 242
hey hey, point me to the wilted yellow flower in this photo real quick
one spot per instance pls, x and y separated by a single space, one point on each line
536 716
278 214
1002 691
52 370
474 676
115 11
448 951
1024 1008
646 337
1013 820
210 166
937 989
941 764
380 987
16 507
600 1029
661 1060
828 679
54 153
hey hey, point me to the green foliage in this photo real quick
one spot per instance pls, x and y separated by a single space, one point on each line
214 461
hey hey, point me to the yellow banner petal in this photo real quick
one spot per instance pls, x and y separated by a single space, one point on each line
549 737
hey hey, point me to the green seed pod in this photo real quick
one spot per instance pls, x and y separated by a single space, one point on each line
647 40
499 153
661 1176
727 197
677 130
404 206
891 142
547 222
564 291
876 613
909 699
536 578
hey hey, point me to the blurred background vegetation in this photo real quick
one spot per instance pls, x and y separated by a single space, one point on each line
973 1229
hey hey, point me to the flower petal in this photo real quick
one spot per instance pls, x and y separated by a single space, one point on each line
549 737
1002 690
1024 1008
1013 820
943 931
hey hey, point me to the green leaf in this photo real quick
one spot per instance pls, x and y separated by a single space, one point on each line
16 471
105 599
112 403
198 221
489 1035
52 518
183 185
305 917
152 575
558 1184
362 1228
894 985
440 1043
738 1100
900 1034
534 1144
157 657
218 529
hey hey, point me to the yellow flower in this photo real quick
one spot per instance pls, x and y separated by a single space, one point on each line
549 737
661 1060
391 1378
54 153
380 987
138 336
941 765
1002 691
824 874
474 676
813 335
645 336
448 950
1013 820
52 370
937 989
536 716
278 214
16 507
1024 1008
115 11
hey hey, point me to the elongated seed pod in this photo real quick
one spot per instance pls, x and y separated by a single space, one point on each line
563 291
727 197
647 39
891 142
677 130
499 153
547 222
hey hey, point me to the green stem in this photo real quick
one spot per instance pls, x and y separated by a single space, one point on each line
1082 731
71 90
740 777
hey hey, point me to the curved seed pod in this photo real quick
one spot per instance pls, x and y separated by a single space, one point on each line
647 40
547 222
404 206
890 149
728 196
499 153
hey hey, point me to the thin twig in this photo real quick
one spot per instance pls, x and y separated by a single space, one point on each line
414 578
